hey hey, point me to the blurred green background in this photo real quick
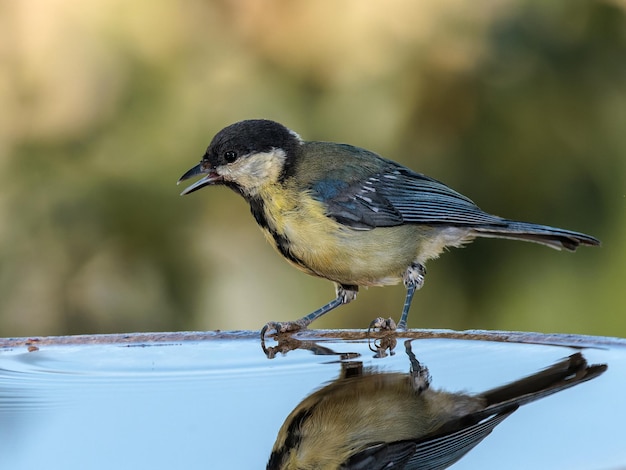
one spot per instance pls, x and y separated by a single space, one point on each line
519 104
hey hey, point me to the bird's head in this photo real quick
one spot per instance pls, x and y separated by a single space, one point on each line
245 156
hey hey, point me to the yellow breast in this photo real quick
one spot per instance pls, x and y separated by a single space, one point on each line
299 229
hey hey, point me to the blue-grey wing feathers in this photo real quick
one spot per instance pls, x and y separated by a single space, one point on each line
397 195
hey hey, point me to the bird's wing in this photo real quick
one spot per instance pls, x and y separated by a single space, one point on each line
437 453
392 455
434 452
358 205
396 196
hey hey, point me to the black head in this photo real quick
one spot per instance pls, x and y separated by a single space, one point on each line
245 154
249 137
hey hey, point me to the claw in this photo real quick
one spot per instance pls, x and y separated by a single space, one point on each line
387 324
280 327
285 343
387 341
267 327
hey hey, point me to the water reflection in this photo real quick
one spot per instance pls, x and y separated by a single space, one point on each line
213 400
368 419
382 345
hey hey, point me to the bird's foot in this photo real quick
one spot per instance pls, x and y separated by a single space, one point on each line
281 327
388 341
383 324
285 344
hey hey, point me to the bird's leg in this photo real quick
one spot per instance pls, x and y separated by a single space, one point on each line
413 279
420 377
345 294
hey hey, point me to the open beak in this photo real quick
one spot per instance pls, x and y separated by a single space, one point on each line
201 168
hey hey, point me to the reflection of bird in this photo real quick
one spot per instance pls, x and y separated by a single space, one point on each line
394 420
347 215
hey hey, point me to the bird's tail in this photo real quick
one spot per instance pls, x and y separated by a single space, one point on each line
550 236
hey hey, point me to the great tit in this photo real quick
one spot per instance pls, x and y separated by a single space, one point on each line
348 215
367 419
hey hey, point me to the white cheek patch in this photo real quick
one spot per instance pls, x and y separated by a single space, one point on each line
252 171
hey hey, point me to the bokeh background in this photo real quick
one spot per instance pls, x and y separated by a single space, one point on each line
519 104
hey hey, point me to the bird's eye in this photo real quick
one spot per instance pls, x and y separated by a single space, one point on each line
230 156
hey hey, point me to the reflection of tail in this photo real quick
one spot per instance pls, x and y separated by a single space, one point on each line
565 374
550 236
457 437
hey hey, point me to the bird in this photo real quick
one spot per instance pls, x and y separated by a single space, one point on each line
369 419
348 215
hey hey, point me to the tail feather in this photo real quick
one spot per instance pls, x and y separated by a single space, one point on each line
566 373
553 237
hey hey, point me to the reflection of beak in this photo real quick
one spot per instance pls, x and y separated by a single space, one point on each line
211 178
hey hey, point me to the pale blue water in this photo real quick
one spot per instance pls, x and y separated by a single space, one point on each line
218 403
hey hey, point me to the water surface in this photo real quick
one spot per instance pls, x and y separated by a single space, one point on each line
216 401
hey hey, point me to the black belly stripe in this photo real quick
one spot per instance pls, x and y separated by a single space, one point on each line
257 207
283 244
